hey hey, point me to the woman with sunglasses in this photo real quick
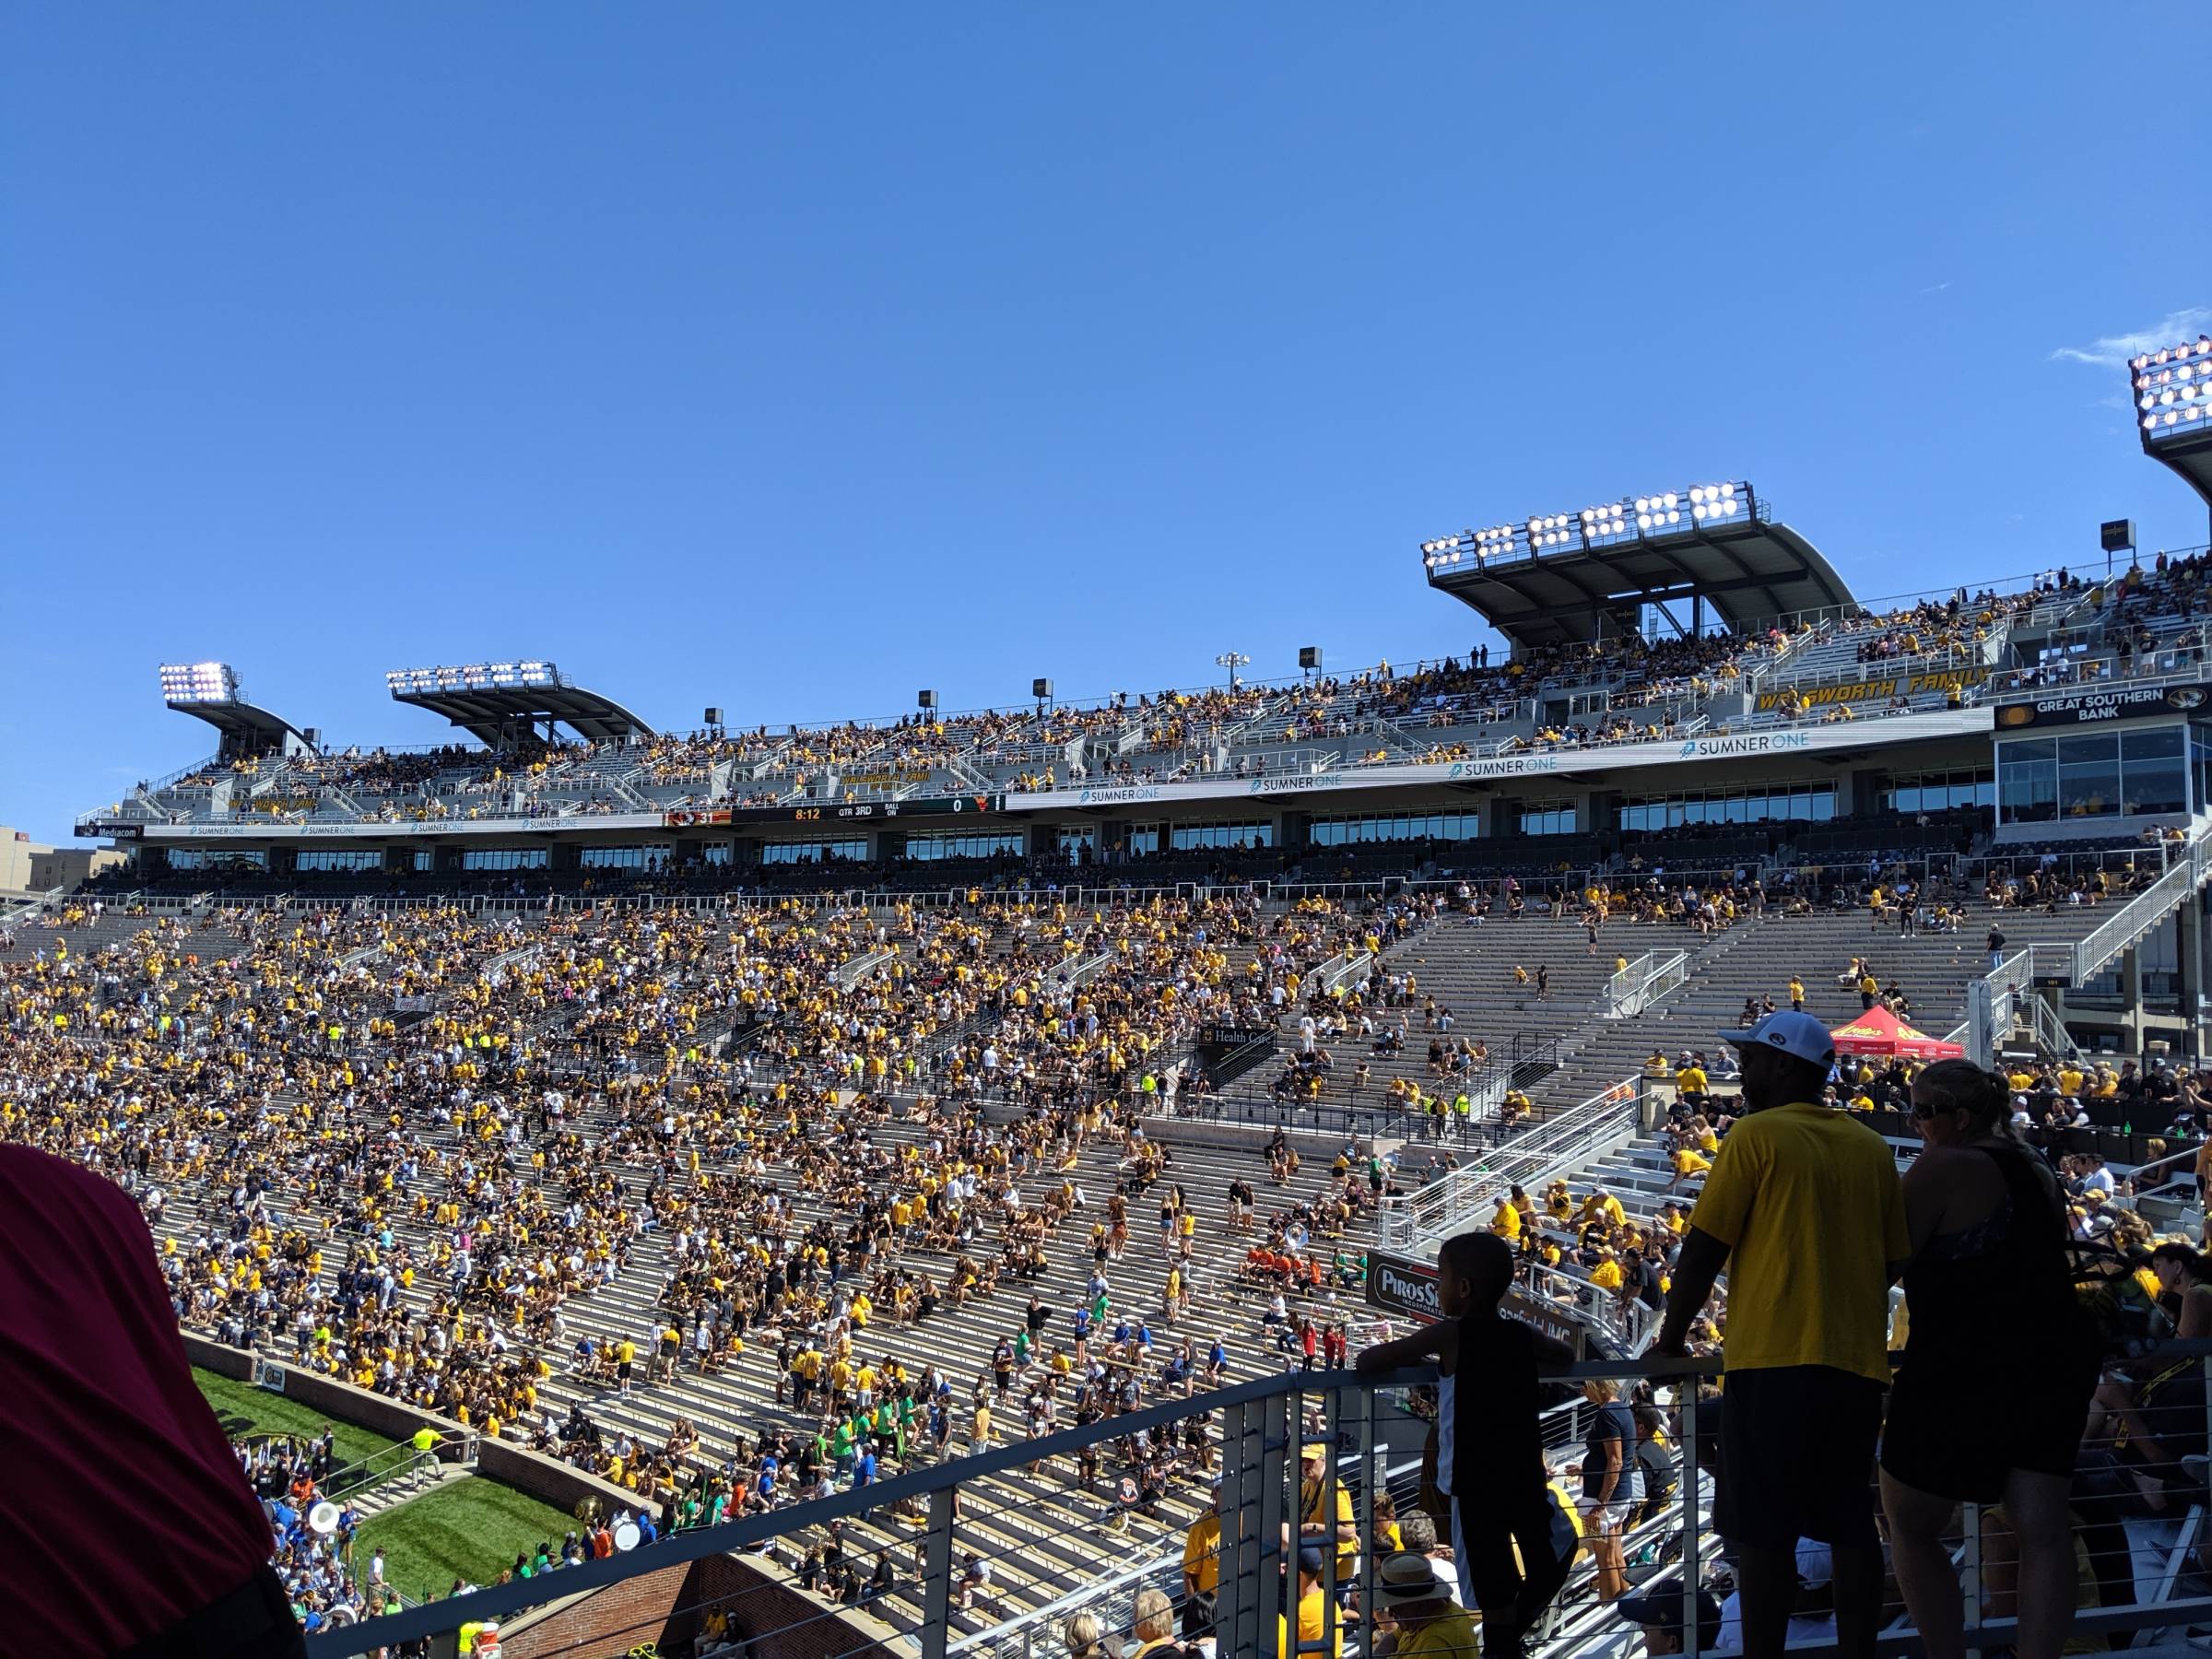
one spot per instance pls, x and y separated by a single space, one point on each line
1999 1363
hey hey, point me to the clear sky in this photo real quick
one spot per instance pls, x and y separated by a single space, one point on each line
791 358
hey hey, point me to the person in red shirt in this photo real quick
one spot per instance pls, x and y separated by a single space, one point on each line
126 1521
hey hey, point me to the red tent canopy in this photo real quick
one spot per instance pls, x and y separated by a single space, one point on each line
1878 1031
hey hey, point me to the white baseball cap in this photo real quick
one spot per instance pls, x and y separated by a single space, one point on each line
1789 1030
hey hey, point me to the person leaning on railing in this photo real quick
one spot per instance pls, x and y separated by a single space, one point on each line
1803 1207
1506 1525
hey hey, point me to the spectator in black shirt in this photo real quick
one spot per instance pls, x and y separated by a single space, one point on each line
1513 1542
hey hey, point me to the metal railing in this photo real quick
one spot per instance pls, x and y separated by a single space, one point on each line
1465 1197
2143 911
979 1526
1645 980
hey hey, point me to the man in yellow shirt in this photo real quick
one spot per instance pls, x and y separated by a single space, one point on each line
1689 1162
1202 1549
1805 1204
1312 1493
1312 1612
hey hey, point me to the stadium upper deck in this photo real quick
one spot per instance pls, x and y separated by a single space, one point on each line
1872 715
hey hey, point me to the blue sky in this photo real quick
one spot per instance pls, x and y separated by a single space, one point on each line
792 359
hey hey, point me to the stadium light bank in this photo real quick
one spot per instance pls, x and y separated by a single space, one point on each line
473 677
186 683
1632 519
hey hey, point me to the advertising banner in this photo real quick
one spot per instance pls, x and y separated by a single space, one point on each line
1774 743
1400 1284
2087 706
1875 688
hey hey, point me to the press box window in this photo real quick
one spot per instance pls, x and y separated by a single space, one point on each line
1550 817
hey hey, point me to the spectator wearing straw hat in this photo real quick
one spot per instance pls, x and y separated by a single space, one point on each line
1415 1615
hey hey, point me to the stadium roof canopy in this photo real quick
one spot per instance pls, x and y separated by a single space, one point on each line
2174 406
499 702
1566 577
209 691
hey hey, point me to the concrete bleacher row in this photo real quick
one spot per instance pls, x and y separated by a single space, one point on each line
1037 1530
1466 966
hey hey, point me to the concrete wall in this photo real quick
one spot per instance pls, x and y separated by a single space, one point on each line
765 1605
546 1478
662 1606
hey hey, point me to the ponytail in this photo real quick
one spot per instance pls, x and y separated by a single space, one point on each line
1985 1096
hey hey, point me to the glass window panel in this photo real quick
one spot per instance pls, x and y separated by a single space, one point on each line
2084 749
338 858
623 858
505 858
2154 743
241 858
2090 790
2027 791
2156 786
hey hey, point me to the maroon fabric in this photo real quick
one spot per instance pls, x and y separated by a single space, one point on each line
122 1508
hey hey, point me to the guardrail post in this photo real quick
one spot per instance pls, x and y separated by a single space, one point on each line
1970 1578
1370 1482
937 1574
1236 1600
1692 1507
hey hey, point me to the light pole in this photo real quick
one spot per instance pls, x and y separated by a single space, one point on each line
1232 661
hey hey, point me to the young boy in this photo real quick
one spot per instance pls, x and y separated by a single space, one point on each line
1489 1451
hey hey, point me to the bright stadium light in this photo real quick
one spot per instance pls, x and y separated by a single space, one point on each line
2173 387
1608 524
472 676
1494 541
198 683
1444 549
1710 503
1602 524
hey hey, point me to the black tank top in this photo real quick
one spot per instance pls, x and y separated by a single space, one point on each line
2000 1287
1496 1441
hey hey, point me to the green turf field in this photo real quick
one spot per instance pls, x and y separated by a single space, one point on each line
469 1529
243 1409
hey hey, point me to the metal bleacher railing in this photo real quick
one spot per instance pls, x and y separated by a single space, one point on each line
2143 1574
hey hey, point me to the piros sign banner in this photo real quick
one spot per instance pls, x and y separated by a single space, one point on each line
1400 1284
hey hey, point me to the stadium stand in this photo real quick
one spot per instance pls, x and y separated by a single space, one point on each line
752 1116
